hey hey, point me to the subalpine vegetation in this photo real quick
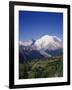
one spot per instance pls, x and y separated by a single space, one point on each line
41 68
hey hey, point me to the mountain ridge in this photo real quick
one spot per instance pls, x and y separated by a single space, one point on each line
45 42
46 46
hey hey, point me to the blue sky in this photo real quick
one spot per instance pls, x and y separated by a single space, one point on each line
33 25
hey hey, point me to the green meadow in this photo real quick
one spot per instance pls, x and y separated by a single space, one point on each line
41 68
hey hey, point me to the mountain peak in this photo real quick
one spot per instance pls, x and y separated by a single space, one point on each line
51 37
48 42
46 46
46 36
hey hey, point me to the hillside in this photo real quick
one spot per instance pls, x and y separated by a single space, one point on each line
41 68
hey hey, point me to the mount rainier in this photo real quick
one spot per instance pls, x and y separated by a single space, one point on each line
46 46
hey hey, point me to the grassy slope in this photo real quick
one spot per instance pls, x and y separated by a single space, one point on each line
42 68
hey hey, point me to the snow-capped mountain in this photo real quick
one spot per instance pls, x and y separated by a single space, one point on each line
46 46
46 42
26 43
